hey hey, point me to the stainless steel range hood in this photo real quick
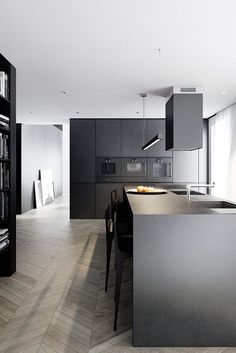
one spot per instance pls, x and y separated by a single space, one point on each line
184 119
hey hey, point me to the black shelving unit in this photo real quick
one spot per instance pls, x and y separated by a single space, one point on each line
8 217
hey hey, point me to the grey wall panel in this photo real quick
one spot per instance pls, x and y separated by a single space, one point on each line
41 149
185 166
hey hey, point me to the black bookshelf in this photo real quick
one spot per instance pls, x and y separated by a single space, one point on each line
8 170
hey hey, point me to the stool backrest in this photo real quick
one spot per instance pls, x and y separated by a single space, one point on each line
108 221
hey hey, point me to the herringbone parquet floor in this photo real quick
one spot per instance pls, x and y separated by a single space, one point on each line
55 302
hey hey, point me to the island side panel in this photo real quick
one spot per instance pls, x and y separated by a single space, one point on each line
184 284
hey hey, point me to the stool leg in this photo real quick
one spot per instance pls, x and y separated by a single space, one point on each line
109 246
119 271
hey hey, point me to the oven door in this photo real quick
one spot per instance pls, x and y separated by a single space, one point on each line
159 170
108 170
134 169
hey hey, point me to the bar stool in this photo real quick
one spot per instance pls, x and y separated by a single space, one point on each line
109 240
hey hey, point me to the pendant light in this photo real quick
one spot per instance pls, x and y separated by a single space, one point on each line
155 139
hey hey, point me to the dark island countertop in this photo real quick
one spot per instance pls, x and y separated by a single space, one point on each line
170 203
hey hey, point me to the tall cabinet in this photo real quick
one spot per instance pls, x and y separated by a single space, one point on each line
7 167
82 168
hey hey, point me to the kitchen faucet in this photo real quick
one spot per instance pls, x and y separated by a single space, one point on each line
189 186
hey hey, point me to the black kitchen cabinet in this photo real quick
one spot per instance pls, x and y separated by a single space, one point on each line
108 138
82 201
133 137
82 151
154 127
103 196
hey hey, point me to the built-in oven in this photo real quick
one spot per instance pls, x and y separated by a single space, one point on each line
134 169
108 170
159 170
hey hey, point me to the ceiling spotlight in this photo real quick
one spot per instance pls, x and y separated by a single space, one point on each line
30 112
137 112
77 112
63 92
223 92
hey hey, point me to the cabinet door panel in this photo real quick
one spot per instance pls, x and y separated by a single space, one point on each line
103 196
154 127
82 167
82 151
108 138
82 201
133 137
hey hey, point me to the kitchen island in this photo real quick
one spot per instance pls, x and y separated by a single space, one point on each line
184 271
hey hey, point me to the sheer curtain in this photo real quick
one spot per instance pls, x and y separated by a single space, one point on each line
222 144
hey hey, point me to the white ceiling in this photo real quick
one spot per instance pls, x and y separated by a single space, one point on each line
103 53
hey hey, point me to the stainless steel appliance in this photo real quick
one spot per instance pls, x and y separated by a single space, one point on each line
108 169
134 169
159 170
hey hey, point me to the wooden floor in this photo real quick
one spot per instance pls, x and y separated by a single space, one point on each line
55 302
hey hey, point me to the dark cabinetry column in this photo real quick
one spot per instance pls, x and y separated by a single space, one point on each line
108 138
82 168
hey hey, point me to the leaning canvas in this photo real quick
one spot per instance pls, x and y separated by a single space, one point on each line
38 193
47 185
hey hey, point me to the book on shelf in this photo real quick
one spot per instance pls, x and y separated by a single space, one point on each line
4 237
4 87
3 231
4 125
4 244
4 145
4 176
4 206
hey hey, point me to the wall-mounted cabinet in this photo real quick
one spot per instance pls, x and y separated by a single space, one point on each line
133 132
108 138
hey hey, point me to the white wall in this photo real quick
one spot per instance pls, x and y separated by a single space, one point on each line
66 158
222 141
41 148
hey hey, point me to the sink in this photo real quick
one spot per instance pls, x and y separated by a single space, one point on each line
216 204
184 192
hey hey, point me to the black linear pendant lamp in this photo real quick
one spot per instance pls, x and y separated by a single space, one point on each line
155 139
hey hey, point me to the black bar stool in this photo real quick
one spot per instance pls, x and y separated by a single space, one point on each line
109 240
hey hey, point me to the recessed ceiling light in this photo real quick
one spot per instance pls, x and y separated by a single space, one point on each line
137 112
63 92
30 112
223 92
77 112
